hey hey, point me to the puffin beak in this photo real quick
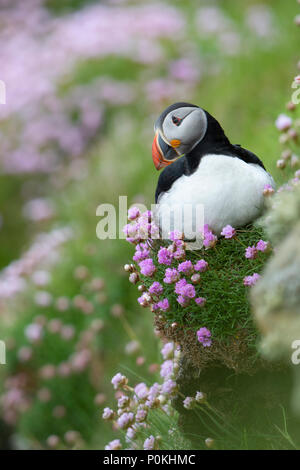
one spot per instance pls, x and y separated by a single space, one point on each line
162 153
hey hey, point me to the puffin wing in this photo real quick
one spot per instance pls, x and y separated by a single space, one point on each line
246 155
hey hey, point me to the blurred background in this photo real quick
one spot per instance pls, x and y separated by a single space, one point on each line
85 81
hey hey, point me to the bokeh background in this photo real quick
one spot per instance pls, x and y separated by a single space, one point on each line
85 81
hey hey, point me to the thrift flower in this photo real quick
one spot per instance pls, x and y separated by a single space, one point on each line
189 403
166 369
141 391
150 443
147 267
203 336
283 122
228 232
156 288
108 414
201 301
183 301
114 445
188 291
268 190
163 305
251 252
171 275
251 280
168 350
165 256
196 278
175 235
125 420
118 381
186 267
133 213
262 246
200 397
201 266
169 387
180 285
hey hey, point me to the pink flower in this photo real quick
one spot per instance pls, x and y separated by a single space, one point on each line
262 246
186 267
166 369
169 387
119 381
268 190
251 252
147 267
150 443
114 445
251 280
210 239
167 351
156 288
171 275
175 235
133 213
189 403
141 252
189 291
125 420
203 336
165 256
228 232
201 301
141 391
180 285
201 266
107 414
163 305
183 301
283 122
195 278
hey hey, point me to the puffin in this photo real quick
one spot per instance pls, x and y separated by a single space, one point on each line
201 168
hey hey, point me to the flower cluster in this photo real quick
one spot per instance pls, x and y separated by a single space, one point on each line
182 278
137 404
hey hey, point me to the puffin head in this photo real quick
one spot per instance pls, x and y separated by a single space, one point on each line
179 128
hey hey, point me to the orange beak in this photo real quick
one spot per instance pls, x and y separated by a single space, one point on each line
162 153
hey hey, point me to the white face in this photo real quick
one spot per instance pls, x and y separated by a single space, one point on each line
183 128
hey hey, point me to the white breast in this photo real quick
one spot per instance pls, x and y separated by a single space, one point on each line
230 191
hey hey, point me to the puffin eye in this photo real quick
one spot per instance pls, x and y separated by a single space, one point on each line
176 120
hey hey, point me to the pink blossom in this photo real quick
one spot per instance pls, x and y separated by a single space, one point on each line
163 305
114 445
133 213
186 267
183 301
251 252
228 232
166 369
156 288
141 391
119 380
147 267
204 336
169 387
171 275
180 285
283 122
165 256
201 266
262 246
108 414
251 280
201 301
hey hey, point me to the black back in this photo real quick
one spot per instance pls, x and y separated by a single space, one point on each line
214 141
